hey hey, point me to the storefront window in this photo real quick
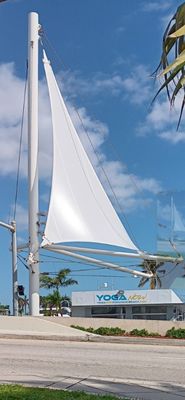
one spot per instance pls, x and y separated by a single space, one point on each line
108 312
104 310
155 309
159 317
155 312
136 310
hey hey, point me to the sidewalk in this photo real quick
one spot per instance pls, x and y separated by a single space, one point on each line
133 389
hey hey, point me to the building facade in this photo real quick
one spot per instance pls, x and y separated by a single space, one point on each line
162 304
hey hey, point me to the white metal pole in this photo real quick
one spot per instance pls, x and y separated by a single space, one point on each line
33 36
142 255
14 269
104 264
12 229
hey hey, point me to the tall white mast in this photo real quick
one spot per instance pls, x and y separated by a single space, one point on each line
33 259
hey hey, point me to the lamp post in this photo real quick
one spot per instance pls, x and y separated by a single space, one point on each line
12 229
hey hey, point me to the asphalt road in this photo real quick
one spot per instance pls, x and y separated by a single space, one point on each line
138 371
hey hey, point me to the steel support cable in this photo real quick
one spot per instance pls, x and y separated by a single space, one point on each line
77 262
20 143
20 259
61 262
60 62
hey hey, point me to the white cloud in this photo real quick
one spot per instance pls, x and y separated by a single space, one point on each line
166 19
11 96
21 218
133 87
162 120
173 137
136 88
97 131
150 6
164 212
131 191
138 85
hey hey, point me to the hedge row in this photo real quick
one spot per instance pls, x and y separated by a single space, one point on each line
105 331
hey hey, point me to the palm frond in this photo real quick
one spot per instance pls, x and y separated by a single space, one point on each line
179 85
178 33
151 266
143 281
181 112
173 40
179 62
158 282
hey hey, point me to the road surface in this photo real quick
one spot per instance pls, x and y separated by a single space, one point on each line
138 371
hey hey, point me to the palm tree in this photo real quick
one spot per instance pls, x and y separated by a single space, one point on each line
173 47
60 280
44 302
151 266
54 300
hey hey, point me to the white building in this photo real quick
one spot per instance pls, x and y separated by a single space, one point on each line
162 304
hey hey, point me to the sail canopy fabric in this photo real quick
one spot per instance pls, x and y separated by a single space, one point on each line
79 209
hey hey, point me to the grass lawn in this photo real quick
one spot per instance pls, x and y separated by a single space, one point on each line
17 392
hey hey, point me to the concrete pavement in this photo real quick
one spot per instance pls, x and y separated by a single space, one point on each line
136 371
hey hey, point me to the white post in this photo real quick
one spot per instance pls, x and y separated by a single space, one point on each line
14 269
33 36
12 229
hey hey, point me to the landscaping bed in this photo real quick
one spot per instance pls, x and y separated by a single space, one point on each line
173 333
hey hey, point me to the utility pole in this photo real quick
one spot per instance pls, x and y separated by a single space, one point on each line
33 258
12 229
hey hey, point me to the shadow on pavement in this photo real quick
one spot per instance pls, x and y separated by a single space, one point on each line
135 390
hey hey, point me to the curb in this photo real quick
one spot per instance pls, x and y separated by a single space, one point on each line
138 340
98 339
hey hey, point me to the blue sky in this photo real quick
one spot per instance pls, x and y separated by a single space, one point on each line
103 53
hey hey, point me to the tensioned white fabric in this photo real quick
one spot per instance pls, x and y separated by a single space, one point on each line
79 209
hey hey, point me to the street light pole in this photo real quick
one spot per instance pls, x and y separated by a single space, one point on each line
14 269
12 229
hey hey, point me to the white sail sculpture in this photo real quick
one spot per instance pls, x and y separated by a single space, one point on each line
79 209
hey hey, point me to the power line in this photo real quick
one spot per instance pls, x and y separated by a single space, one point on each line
20 259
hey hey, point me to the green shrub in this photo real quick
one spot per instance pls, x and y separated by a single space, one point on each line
109 331
90 330
81 328
102 330
178 333
139 332
156 334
